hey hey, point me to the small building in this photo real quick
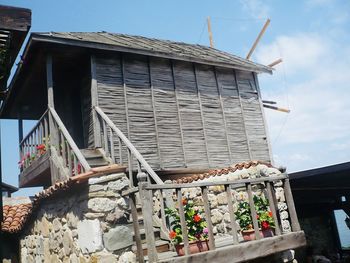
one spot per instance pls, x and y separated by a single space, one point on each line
117 115
318 193
7 189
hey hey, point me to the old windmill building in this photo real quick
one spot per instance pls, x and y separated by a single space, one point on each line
130 112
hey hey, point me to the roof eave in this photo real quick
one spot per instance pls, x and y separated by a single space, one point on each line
101 46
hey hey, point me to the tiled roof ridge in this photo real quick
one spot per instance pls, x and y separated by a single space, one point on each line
14 225
219 172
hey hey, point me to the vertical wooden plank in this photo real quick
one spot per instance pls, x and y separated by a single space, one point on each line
223 112
154 112
183 222
135 222
178 111
272 205
125 97
243 118
201 111
20 128
131 178
291 206
162 209
75 164
46 131
147 211
111 141
232 214
253 211
256 81
105 138
70 161
94 102
64 152
204 190
120 151
49 81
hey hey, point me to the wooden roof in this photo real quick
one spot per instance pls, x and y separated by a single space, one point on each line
14 26
152 47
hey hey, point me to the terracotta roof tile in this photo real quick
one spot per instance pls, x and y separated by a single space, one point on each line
16 215
218 172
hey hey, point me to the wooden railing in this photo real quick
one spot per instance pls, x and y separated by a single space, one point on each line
37 137
65 147
113 138
146 191
50 134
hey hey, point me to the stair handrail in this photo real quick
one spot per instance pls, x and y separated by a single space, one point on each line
129 145
69 139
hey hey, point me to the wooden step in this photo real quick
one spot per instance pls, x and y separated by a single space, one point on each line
94 157
156 231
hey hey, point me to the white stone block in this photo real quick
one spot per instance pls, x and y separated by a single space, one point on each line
90 236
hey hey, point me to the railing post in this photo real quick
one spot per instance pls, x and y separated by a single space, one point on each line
147 211
204 190
232 214
253 211
272 204
291 207
94 102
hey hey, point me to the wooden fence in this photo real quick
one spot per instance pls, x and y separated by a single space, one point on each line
147 190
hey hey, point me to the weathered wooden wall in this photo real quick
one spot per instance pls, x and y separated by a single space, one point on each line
181 114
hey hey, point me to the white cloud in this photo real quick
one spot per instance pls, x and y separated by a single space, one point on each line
299 52
256 8
314 80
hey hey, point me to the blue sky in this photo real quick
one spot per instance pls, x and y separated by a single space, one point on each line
311 36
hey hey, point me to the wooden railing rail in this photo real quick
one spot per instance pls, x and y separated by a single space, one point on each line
38 135
111 136
65 146
147 190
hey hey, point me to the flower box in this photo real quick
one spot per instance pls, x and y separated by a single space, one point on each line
194 247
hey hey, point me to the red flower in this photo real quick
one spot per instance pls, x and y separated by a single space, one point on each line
197 218
172 234
257 216
270 214
265 225
184 201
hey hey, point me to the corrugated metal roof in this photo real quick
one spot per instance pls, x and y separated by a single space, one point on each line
157 47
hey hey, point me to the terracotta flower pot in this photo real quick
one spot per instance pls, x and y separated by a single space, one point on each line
194 247
249 235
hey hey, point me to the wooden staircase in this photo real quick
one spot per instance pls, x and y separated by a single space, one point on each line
95 157
162 242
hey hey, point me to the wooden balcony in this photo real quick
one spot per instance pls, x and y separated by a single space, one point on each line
49 154
230 248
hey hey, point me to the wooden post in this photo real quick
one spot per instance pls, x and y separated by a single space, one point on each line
94 102
147 212
20 134
208 217
135 222
210 33
291 207
183 222
232 214
272 204
253 211
258 38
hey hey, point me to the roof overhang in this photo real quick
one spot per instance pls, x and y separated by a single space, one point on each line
14 25
30 73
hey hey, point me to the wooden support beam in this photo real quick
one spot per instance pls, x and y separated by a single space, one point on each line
258 38
210 33
94 102
276 108
276 62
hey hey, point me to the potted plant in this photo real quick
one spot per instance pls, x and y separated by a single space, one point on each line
264 216
196 228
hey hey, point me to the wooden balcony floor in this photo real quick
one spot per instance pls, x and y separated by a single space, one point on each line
37 174
227 252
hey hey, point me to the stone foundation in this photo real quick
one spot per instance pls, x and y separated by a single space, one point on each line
86 223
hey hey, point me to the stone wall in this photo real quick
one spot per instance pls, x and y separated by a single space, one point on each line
85 223
218 199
